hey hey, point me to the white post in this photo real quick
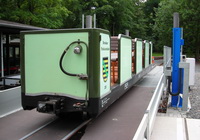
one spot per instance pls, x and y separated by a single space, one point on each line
127 32
88 21
94 20
83 21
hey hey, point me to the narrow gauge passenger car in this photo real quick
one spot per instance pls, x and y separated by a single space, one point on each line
79 70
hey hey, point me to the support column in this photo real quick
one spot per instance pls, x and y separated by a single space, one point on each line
186 67
1 45
176 71
7 55
95 21
167 63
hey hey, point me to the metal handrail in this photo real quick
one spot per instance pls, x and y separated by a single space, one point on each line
154 103
8 78
146 126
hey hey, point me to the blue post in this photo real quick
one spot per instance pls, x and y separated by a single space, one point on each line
176 71
176 60
175 65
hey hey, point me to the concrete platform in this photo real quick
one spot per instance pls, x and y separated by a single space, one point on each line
173 128
121 120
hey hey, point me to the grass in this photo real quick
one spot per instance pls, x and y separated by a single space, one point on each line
157 54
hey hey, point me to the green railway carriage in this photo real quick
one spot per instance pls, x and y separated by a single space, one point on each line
71 70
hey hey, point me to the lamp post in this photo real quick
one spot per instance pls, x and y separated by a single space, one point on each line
93 8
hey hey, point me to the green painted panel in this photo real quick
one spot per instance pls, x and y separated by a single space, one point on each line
146 54
138 56
125 59
104 64
42 71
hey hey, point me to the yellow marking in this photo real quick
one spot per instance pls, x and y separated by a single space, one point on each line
105 61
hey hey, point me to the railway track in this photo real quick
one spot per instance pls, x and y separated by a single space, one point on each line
57 128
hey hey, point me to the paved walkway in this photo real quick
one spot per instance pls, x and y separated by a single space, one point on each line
173 128
177 125
121 120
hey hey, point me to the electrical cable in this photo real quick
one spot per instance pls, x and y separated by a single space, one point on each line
81 76
169 85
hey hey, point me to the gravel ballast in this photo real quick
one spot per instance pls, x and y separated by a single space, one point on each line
194 95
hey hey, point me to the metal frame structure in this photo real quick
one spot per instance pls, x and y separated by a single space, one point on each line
185 66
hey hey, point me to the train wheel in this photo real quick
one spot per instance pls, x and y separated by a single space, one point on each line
85 116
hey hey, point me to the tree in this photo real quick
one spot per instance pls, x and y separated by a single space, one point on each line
164 23
189 21
43 13
150 15
113 15
190 14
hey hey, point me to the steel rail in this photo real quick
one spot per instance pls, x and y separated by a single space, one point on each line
38 129
76 130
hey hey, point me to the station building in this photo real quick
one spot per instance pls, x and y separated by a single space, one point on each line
10 46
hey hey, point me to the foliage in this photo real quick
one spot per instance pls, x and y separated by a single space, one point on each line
113 15
164 23
43 13
150 15
149 20
190 14
157 54
189 20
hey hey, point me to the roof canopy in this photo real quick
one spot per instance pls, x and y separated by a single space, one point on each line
15 28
